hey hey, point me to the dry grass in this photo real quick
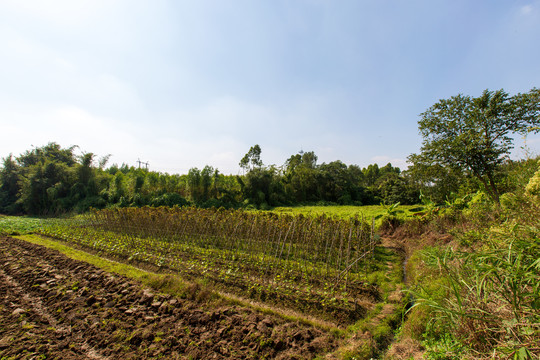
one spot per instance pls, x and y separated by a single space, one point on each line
405 349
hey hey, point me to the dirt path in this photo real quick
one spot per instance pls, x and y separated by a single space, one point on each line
54 307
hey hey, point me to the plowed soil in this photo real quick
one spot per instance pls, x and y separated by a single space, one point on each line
53 307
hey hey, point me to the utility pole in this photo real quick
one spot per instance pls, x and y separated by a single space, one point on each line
142 163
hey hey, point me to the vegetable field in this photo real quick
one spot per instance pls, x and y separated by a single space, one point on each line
11 225
314 264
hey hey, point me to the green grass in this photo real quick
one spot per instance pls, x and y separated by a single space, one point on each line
345 211
17 225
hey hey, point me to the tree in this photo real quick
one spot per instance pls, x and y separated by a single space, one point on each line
45 188
334 182
194 184
371 174
46 177
206 181
435 181
473 135
52 151
9 185
301 185
252 159
395 188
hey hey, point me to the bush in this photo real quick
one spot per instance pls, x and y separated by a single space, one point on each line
169 199
96 202
533 187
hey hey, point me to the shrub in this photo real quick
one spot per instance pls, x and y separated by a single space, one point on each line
533 187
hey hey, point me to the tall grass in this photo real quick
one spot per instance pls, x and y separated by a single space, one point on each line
488 299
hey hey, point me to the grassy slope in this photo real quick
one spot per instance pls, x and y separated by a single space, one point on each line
475 281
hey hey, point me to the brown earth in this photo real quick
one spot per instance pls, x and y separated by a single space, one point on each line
53 307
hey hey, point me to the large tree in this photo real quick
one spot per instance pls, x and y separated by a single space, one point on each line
252 159
474 135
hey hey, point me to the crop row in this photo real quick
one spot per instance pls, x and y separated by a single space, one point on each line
336 243
319 260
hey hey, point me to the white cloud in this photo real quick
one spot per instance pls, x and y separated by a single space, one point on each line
68 125
59 12
526 9
180 85
24 53
178 156
221 131
35 72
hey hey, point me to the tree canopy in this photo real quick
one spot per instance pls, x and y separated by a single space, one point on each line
53 180
474 135
252 159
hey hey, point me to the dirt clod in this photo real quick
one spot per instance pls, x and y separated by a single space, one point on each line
61 308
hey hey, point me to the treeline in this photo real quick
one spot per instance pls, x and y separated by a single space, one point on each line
53 180
465 148
302 181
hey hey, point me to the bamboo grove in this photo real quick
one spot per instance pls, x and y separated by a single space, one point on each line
320 260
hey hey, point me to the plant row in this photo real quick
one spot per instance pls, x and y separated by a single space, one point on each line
295 241
314 264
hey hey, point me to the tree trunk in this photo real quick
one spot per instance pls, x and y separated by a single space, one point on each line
495 192
490 187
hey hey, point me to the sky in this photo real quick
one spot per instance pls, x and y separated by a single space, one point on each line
182 84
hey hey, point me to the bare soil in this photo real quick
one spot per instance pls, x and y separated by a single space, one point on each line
53 307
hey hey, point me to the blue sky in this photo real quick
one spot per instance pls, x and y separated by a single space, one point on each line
183 84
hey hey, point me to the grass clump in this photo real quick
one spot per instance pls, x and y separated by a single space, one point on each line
483 302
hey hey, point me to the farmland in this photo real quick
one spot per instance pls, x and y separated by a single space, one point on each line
321 273
315 265
56 307
349 211
455 277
